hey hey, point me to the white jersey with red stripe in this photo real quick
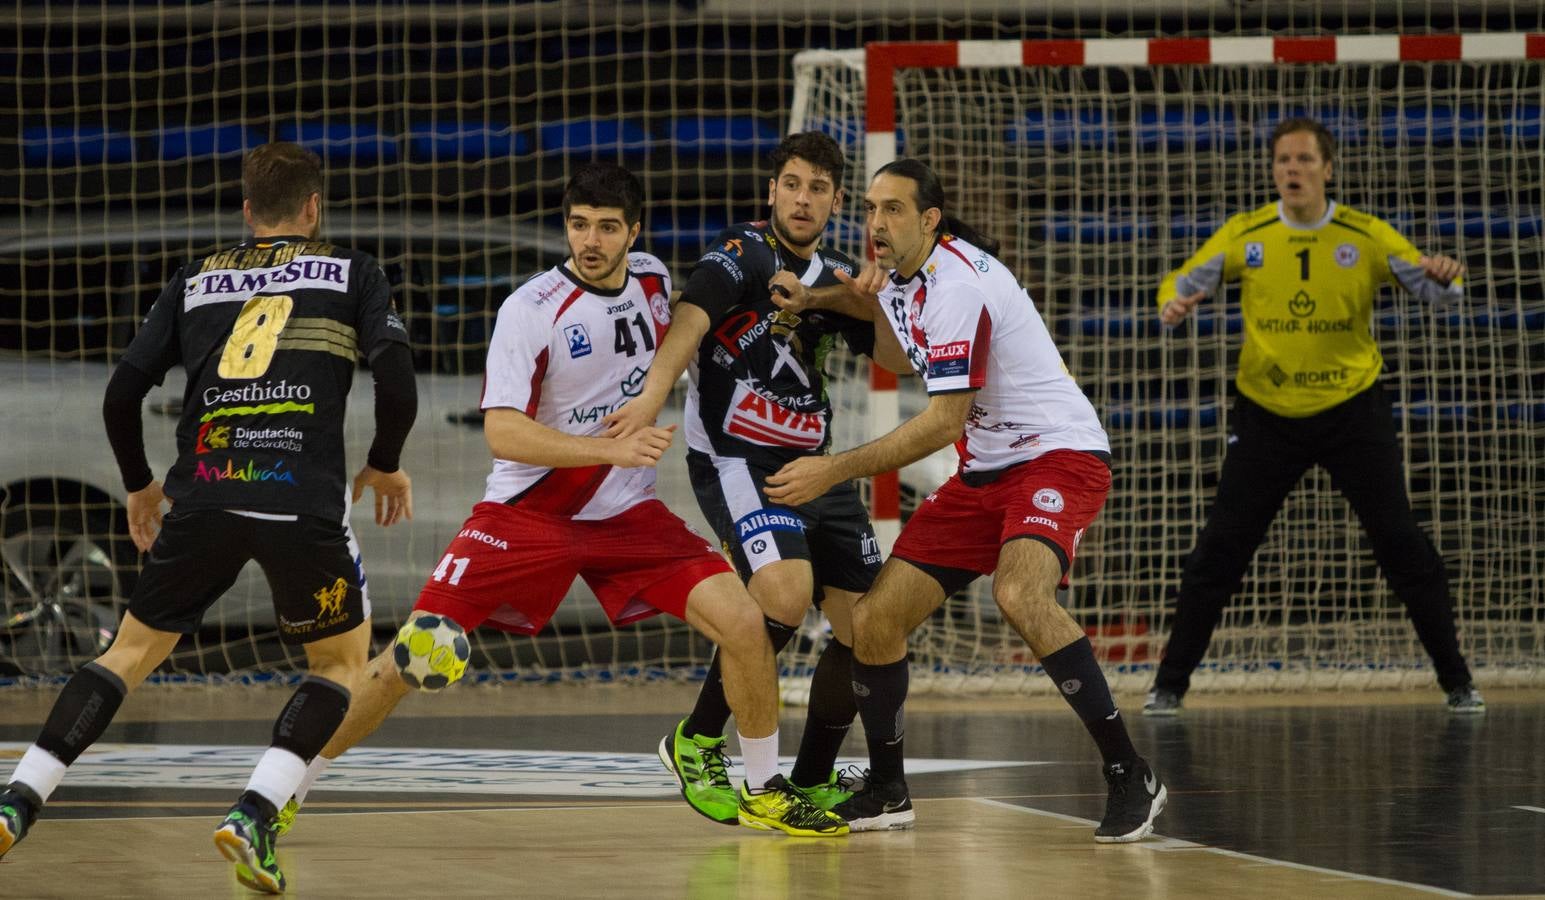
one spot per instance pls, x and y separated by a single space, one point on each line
966 324
566 354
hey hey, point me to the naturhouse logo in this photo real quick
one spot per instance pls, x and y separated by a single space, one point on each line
330 599
265 409
248 472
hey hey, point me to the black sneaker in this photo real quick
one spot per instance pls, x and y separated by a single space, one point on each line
1466 701
18 810
878 807
1136 798
1162 702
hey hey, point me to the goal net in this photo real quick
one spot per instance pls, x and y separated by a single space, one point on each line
1101 165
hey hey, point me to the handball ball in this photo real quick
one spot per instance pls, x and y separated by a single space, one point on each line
431 652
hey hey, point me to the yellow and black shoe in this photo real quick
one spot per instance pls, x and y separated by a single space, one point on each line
779 807
286 818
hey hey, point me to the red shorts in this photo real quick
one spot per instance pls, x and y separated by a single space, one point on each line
1052 498
511 568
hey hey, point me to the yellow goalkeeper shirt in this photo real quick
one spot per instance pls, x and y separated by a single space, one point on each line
1307 297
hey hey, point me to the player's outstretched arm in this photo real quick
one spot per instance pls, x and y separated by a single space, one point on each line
688 325
515 436
940 424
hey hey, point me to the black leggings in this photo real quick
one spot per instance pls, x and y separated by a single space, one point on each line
1267 455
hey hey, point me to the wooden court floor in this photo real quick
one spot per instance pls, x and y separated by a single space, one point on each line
554 792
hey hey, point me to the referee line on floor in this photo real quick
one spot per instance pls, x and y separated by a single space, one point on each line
1170 844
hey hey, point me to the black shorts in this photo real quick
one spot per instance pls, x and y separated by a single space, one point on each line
832 531
312 565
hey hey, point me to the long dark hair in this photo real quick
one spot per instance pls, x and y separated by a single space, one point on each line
929 194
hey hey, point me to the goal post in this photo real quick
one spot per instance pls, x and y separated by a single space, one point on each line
1101 164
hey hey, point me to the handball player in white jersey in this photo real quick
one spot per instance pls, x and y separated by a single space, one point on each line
1034 472
570 346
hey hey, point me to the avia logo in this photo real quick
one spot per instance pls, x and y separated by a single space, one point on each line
759 420
330 599
212 437
248 472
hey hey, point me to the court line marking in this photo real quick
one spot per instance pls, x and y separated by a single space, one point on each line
1538 809
1170 844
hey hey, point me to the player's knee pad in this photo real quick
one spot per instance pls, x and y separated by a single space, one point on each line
308 720
80 715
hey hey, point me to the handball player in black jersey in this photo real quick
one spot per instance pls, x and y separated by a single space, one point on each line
270 332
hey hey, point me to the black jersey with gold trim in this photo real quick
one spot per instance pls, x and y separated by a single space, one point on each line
270 332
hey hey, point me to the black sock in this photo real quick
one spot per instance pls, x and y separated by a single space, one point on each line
83 711
832 708
712 711
1083 686
881 691
308 720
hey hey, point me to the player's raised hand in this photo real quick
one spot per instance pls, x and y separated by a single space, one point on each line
640 412
1442 269
1177 309
801 481
642 448
394 494
868 284
788 292
144 509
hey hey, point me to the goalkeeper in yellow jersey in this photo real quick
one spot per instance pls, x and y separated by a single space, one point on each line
1309 394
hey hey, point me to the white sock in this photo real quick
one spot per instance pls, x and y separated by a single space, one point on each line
39 770
313 771
760 759
277 776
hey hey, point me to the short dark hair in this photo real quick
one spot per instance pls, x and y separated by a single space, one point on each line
605 185
815 148
928 191
1322 135
278 178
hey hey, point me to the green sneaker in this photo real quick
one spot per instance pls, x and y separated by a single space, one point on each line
249 843
286 818
700 767
838 788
